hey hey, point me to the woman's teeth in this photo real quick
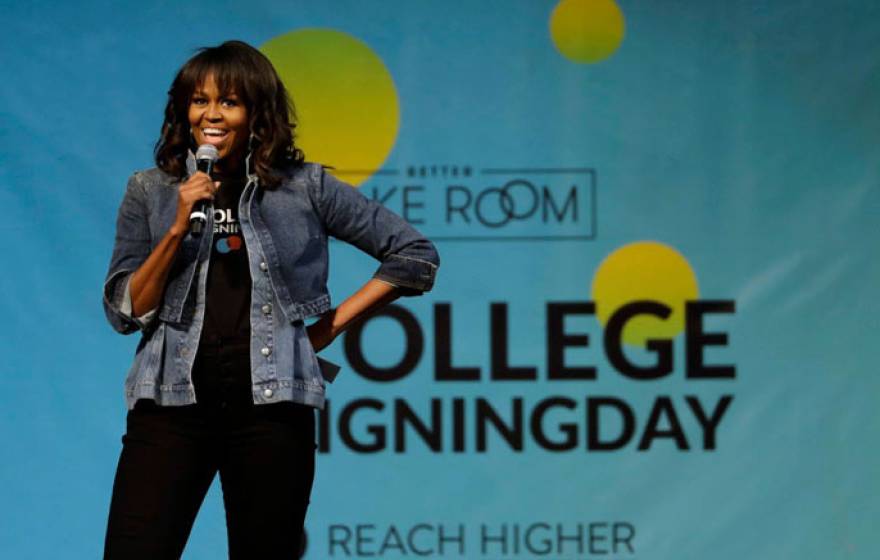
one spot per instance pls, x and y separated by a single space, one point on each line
214 132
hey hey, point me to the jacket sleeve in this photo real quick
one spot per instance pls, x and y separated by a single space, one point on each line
130 249
408 259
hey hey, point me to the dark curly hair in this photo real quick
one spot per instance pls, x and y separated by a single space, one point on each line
241 68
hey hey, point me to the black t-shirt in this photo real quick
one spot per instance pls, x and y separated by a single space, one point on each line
228 297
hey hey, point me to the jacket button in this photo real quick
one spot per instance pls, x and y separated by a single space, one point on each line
267 393
263 266
266 351
266 309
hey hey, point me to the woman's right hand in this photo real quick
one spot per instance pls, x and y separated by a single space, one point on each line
199 186
147 283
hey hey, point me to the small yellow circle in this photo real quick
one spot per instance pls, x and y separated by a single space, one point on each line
587 31
644 270
345 98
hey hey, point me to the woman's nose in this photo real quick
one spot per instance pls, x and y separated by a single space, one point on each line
212 112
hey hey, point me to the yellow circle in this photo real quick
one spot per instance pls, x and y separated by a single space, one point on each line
345 99
587 31
644 270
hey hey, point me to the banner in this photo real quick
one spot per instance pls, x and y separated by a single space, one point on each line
653 328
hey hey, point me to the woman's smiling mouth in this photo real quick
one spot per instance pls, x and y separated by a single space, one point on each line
214 135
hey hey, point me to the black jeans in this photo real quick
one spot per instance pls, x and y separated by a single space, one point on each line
265 455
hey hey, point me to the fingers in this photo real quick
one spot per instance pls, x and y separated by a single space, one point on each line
197 187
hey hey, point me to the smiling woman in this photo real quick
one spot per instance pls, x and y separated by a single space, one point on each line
227 377
233 89
221 119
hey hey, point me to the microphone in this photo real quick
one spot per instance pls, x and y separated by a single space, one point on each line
206 155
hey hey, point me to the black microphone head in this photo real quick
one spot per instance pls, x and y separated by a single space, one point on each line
206 155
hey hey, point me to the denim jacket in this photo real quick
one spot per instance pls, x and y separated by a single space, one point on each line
286 231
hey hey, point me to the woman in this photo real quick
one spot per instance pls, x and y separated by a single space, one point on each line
225 378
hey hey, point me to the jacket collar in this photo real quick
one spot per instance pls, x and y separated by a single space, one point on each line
191 165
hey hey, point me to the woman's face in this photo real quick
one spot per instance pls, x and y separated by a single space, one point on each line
219 120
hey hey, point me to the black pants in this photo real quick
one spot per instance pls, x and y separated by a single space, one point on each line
265 455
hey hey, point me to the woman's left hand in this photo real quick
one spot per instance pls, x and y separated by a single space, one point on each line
321 332
372 296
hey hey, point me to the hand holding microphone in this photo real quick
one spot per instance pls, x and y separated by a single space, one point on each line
193 194
206 155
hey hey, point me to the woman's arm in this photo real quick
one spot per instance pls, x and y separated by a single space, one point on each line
372 296
148 282
408 259
136 276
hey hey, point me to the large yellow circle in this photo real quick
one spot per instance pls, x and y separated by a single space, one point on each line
644 270
345 98
587 31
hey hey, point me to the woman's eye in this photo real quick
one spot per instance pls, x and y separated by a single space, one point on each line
228 103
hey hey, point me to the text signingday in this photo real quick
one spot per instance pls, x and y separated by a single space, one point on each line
479 418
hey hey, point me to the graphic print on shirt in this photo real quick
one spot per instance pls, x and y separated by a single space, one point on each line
228 290
227 231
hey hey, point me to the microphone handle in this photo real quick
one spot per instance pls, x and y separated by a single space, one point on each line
198 218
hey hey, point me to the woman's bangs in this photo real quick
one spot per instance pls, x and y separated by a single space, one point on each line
227 75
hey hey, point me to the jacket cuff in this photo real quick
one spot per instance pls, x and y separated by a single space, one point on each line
389 282
125 307
413 276
117 304
401 290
